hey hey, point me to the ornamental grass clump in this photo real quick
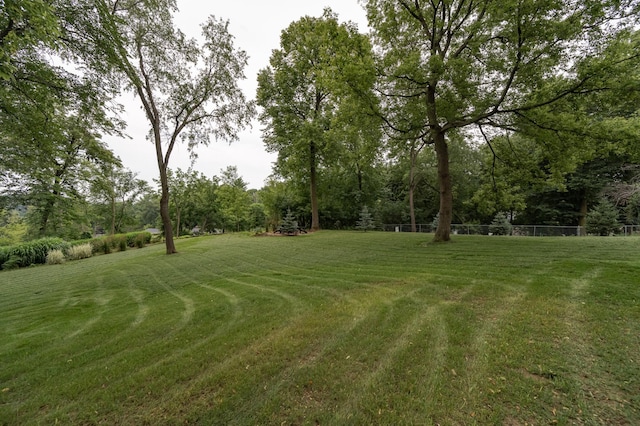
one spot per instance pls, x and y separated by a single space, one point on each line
78 252
55 257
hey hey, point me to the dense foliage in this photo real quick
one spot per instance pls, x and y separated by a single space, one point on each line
31 253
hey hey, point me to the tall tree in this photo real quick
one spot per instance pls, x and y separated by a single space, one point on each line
455 64
233 199
202 207
188 90
310 82
179 182
117 190
50 140
278 197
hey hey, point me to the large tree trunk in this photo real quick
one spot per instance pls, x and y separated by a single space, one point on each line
412 187
315 219
164 212
46 214
443 233
164 186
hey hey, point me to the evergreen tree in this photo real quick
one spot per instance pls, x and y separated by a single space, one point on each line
366 220
435 222
500 225
603 219
289 224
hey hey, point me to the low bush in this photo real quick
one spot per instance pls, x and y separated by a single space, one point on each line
131 239
121 242
141 239
4 255
30 253
110 243
101 245
55 257
78 252
13 262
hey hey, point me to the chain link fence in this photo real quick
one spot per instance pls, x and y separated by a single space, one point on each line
518 230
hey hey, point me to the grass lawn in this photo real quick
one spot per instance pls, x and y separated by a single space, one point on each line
330 328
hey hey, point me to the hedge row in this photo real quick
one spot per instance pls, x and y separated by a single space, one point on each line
120 242
31 253
35 252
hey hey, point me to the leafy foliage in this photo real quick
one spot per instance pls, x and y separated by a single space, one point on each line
496 66
233 200
114 191
188 89
24 24
12 227
51 123
30 253
311 103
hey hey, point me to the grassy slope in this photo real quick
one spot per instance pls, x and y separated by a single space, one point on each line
329 328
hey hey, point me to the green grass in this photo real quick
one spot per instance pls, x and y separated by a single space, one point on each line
328 328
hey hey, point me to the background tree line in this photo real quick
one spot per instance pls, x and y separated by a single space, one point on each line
455 109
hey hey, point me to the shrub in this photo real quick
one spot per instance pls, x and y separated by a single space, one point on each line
13 262
82 251
115 242
101 245
122 242
138 239
147 236
289 224
366 220
603 219
131 239
55 257
141 239
500 225
4 256
110 243
31 253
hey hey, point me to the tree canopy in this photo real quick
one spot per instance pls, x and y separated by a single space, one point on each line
308 91
188 90
459 64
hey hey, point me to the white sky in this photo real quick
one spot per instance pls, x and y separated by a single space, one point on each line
256 26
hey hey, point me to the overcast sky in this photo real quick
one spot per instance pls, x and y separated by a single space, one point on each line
256 25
